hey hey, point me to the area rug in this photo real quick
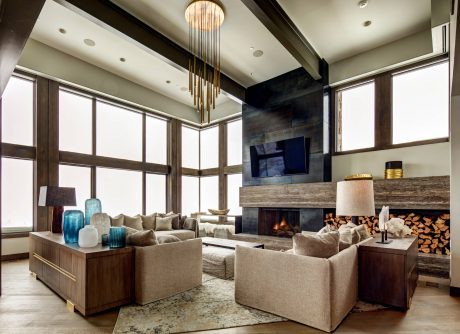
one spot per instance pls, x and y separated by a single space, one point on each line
210 306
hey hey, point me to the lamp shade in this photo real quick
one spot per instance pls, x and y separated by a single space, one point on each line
56 196
355 198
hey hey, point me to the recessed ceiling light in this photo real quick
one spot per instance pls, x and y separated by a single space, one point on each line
362 4
251 74
251 48
89 42
122 59
62 30
367 23
258 53
168 81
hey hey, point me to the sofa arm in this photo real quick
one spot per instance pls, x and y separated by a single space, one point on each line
292 286
167 269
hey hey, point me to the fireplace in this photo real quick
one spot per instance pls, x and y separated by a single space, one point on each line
279 222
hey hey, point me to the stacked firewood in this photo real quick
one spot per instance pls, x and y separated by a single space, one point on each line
433 231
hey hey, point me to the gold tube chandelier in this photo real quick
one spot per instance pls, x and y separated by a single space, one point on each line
204 18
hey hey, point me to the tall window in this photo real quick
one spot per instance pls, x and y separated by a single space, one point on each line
209 148
79 178
209 193
355 117
18 112
75 123
120 191
119 132
234 142
190 194
17 195
155 193
156 140
190 148
421 104
234 182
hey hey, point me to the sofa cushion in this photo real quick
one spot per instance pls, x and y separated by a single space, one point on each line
117 220
163 224
347 229
362 231
322 245
133 222
148 222
181 234
327 228
166 239
142 238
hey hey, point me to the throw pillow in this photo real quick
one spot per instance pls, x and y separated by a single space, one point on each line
326 229
175 221
343 245
163 224
117 220
182 221
190 224
166 239
148 222
142 238
362 231
349 228
322 245
129 231
133 222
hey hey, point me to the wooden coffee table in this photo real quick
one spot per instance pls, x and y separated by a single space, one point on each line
228 243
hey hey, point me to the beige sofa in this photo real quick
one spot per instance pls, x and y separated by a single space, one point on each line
167 269
313 291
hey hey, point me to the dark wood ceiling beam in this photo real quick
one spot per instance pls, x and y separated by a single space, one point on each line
17 19
108 15
275 19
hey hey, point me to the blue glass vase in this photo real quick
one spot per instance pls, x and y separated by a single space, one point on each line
117 237
92 206
73 222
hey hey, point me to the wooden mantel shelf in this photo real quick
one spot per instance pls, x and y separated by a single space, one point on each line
429 193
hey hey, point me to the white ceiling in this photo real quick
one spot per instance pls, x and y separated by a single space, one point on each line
335 27
140 67
240 31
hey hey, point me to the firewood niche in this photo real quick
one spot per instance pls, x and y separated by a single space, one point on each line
431 227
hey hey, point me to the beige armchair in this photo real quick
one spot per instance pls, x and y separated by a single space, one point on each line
313 291
167 269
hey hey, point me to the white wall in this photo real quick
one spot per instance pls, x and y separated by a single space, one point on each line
15 246
423 160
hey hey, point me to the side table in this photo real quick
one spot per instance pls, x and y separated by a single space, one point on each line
388 272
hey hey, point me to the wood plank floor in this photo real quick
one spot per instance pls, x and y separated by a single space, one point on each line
28 306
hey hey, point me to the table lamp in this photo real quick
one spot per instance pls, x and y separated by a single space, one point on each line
57 197
355 198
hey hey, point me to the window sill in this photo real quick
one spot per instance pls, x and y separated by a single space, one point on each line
13 235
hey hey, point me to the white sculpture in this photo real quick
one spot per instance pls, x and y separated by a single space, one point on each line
87 236
101 222
384 216
397 228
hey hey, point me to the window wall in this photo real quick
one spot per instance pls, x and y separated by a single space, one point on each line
79 178
403 107
18 154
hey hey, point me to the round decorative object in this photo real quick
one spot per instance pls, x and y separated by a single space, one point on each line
73 222
359 177
105 239
117 237
222 212
394 170
87 237
101 222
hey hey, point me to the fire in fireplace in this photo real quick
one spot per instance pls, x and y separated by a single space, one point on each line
279 222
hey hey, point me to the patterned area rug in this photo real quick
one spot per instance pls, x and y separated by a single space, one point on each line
210 306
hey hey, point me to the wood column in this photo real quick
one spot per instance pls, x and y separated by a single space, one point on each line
383 112
174 179
222 164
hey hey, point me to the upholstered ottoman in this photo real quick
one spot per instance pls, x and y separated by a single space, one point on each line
219 262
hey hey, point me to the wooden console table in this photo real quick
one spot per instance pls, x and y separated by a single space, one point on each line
388 272
91 280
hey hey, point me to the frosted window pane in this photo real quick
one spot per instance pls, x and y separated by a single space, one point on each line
18 112
156 140
75 123
209 193
190 148
119 132
357 117
234 143
421 104
190 192
209 148
120 191
17 193
234 182
155 193
78 178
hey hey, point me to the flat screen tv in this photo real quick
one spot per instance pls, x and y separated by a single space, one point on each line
284 157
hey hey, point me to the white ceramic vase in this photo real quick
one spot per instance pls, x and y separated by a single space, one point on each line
101 222
87 236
